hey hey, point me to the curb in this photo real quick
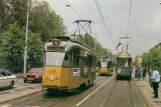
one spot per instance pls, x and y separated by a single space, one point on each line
22 96
143 95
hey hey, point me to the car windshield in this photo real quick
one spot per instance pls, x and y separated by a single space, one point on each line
54 58
37 70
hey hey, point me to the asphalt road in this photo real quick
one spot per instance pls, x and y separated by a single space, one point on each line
106 92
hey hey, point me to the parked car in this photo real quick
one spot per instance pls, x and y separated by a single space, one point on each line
7 79
34 75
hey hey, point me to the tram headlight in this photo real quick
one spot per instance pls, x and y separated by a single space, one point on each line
118 70
42 76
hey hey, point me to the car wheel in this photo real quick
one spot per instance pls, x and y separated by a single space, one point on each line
11 84
25 81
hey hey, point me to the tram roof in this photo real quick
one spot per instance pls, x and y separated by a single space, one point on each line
69 44
123 55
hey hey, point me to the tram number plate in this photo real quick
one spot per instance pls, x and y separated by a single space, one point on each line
118 70
30 78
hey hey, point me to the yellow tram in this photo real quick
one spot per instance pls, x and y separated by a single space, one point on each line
68 65
105 66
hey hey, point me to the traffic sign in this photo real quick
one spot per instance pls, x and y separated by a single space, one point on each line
140 60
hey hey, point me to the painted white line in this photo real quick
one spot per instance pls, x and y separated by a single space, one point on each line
93 92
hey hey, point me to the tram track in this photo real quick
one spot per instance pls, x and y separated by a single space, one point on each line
107 95
111 94
38 99
133 96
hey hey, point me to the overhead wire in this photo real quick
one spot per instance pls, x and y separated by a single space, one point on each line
102 17
129 18
74 10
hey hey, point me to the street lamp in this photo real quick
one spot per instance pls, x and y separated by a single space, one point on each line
67 3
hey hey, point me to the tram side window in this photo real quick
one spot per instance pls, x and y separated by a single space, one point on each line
93 62
65 62
86 62
99 64
130 61
90 61
76 59
109 65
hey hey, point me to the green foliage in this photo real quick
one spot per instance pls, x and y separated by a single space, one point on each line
44 24
152 58
95 45
42 19
12 46
45 21
35 50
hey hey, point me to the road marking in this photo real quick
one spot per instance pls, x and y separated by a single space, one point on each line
93 92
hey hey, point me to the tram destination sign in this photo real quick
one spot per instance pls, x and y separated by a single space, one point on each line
54 48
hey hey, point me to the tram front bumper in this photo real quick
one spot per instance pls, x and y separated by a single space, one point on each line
54 87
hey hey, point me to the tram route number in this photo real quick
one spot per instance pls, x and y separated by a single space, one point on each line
76 71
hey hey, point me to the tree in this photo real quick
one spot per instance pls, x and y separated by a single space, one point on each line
12 47
46 22
42 18
35 50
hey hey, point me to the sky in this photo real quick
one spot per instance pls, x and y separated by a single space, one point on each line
144 26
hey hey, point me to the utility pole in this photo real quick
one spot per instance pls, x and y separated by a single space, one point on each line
26 38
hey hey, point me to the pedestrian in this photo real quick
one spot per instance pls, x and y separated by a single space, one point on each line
139 73
144 73
155 81
136 72
150 75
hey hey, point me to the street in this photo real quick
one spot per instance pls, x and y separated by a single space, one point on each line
106 92
80 53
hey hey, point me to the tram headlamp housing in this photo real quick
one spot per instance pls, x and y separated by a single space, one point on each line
118 70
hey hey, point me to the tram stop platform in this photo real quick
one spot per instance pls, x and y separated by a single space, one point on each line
147 92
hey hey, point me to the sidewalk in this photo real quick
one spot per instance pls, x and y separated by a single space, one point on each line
147 91
19 90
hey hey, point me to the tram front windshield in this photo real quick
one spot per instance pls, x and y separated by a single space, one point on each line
103 64
54 58
123 62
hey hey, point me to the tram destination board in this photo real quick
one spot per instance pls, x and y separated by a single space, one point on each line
54 48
